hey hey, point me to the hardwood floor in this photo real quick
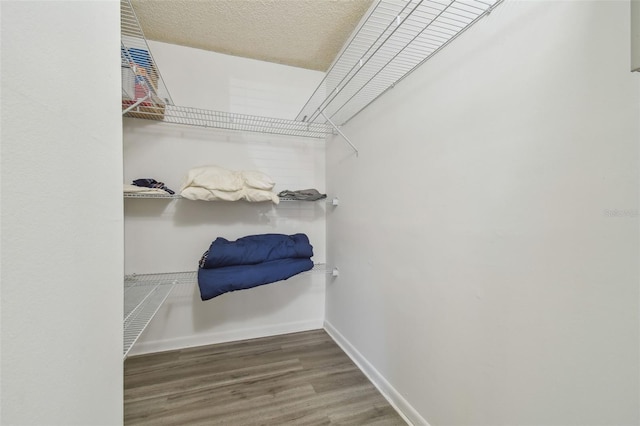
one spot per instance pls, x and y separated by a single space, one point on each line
293 379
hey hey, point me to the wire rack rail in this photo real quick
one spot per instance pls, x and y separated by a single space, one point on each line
162 196
392 40
179 197
143 296
231 121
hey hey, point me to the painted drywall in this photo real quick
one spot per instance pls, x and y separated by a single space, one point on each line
170 236
202 79
62 223
635 35
487 234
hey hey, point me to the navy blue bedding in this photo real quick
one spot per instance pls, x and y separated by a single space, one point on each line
217 281
256 249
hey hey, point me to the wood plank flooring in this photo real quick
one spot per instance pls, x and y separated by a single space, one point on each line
293 379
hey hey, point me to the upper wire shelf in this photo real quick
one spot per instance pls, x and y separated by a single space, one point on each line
233 121
392 40
145 95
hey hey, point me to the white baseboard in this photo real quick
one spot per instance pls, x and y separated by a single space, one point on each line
141 348
406 411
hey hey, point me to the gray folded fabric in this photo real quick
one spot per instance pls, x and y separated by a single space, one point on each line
302 194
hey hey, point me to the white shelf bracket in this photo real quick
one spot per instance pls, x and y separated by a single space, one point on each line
340 132
138 102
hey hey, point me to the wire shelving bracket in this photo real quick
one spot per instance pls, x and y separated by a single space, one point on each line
340 133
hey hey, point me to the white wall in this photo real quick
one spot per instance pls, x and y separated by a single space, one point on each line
635 35
61 214
487 235
202 79
170 236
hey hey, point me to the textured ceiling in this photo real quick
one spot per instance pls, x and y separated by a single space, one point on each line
301 33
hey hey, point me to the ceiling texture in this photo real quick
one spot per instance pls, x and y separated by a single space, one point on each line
300 33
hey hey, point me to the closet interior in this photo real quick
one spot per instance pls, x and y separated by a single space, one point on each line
484 226
392 39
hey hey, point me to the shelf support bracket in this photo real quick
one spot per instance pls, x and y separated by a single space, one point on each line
340 132
138 102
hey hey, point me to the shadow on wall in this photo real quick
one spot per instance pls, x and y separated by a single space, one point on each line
153 131
245 306
146 207
191 213
185 213
141 135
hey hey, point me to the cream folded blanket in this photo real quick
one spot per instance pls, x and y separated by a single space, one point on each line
213 183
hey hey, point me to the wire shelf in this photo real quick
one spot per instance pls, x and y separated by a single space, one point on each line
302 201
143 296
144 94
230 121
145 293
391 41
179 197
162 196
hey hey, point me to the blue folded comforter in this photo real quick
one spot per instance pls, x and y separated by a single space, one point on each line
217 281
256 249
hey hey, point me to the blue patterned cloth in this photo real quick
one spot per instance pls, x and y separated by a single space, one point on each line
152 183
